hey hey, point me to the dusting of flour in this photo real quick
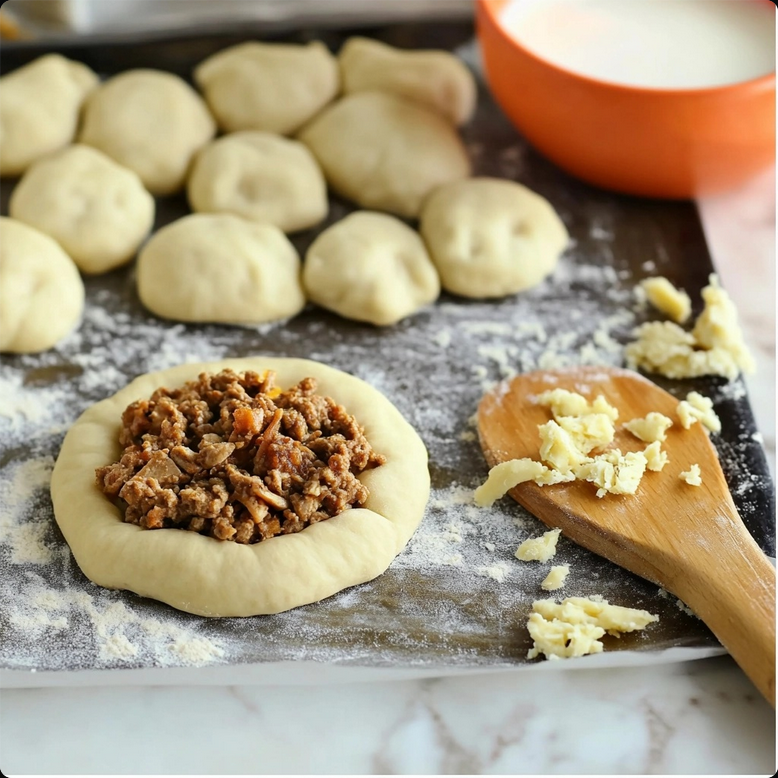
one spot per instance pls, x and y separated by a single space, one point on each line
456 594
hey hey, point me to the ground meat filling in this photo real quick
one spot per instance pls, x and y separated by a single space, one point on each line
233 457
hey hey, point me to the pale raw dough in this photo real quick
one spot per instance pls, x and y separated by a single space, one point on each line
437 79
97 210
39 108
220 268
41 292
384 152
275 87
490 237
151 122
370 267
201 575
259 176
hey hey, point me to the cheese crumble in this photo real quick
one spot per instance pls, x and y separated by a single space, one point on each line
656 459
714 347
692 476
698 408
539 549
555 578
503 477
565 403
574 626
650 429
673 302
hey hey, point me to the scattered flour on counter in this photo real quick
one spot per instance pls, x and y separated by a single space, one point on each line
503 356
116 646
488 328
563 341
551 360
453 533
120 635
23 487
27 408
734 390
443 338
58 619
37 623
600 233
680 604
454 495
196 651
498 571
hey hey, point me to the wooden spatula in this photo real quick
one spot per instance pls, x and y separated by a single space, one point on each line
689 540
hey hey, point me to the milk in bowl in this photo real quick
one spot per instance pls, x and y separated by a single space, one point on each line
659 44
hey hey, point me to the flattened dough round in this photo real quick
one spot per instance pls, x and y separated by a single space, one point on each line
207 577
220 268
384 152
370 267
275 87
41 292
259 176
97 210
436 79
39 108
151 122
489 237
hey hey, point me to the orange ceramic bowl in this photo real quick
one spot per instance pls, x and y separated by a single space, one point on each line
651 142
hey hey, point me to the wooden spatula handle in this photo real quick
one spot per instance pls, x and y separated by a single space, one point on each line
734 594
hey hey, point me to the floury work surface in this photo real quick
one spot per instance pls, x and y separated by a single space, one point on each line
456 598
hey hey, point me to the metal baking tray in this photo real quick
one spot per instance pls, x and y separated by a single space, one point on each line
439 607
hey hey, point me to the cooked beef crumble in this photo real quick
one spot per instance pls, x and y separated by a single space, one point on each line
233 457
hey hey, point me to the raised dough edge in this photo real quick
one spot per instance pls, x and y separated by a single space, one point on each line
207 577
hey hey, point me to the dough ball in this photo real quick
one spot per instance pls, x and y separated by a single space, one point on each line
220 268
384 152
490 238
96 210
150 122
435 78
41 292
275 87
39 108
370 267
262 177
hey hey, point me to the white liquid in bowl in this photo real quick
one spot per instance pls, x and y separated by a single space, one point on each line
665 44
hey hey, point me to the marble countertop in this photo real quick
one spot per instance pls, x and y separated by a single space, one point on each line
699 717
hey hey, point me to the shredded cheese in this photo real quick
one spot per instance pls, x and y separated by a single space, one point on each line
692 476
698 408
555 578
539 549
651 428
673 302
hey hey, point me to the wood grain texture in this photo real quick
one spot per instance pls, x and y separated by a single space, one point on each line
689 540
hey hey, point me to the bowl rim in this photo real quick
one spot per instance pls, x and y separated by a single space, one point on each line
489 8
